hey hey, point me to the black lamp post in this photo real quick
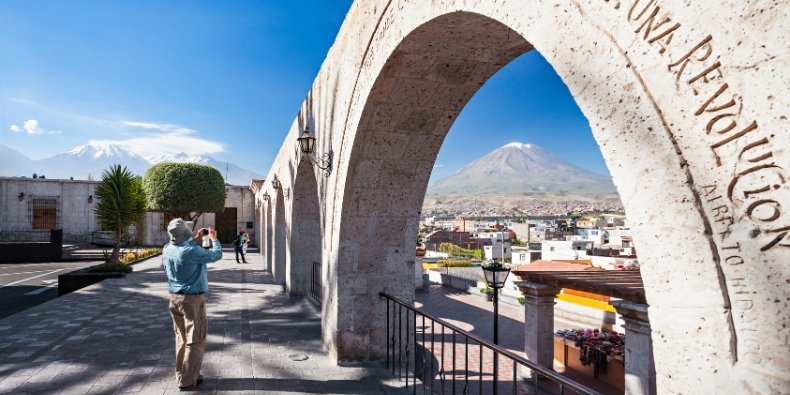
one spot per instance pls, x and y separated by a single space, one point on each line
495 275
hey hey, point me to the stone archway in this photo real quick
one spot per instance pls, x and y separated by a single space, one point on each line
305 242
269 237
279 239
687 114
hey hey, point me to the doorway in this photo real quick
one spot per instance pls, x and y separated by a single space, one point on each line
225 222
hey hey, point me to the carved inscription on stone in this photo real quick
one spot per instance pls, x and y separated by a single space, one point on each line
751 204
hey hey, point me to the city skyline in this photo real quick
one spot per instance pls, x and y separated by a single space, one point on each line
226 81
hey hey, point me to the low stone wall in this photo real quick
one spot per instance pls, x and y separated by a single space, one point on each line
25 252
78 279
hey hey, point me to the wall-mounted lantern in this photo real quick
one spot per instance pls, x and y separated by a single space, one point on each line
90 198
21 196
307 147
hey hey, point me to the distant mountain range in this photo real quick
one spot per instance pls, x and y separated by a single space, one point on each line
89 161
518 169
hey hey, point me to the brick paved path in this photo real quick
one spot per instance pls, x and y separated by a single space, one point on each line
474 314
116 336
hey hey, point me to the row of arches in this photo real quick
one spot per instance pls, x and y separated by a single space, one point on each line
397 78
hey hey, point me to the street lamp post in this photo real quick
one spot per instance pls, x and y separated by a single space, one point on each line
495 275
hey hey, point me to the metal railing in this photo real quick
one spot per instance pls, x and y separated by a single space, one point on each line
315 282
439 357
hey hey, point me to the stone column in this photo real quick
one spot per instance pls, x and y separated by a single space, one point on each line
640 370
539 322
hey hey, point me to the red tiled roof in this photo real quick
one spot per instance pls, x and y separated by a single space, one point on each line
553 266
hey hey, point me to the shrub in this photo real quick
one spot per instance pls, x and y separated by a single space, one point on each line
454 263
180 189
134 256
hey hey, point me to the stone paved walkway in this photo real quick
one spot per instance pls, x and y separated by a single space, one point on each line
116 337
474 314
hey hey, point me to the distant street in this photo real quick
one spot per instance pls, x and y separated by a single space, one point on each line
25 285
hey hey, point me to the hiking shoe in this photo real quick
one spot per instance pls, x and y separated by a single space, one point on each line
193 386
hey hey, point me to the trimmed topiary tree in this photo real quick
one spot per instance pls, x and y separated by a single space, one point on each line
121 203
184 190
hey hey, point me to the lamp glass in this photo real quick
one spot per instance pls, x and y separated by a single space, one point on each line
306 142
276 183
496 274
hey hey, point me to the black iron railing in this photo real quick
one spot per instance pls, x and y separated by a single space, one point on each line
434 356
315 282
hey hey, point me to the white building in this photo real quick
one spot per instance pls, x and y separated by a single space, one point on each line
593 235
564 249
524 255
500 247
30 207
615 236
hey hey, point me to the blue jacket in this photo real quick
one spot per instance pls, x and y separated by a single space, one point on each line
185 265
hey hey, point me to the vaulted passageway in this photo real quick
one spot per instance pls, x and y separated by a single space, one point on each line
305 242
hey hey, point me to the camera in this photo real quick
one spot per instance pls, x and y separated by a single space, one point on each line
205 231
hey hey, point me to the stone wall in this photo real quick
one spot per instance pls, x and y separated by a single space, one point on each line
75 209
28 252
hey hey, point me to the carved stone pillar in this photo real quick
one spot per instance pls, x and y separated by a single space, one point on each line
538 321
640 369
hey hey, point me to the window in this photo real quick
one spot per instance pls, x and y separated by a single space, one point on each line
43 212
522 257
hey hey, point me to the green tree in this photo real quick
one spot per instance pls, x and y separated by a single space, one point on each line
121 203
184 190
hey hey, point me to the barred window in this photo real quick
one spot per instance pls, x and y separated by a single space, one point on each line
43 212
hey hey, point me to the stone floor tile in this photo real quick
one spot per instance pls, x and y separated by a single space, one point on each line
128 346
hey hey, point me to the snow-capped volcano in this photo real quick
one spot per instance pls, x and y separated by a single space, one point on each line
88 161
97 151
522 169
181 157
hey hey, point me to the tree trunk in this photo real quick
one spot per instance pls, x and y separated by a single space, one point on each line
116 249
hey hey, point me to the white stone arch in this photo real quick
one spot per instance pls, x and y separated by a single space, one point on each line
269 237
689 119
305 241
279 238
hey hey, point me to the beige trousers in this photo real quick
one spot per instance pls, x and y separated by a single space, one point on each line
189 324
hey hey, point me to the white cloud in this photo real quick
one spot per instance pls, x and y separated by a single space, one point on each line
23 101
163 127
30 127
171 139
437 166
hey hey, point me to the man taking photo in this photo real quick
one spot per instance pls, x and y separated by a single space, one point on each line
185 262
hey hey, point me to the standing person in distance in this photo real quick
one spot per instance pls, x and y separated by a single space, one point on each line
238 242
246 243
184 261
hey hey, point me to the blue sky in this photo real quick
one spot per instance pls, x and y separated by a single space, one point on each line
225 79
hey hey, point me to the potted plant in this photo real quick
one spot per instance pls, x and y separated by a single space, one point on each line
488 292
